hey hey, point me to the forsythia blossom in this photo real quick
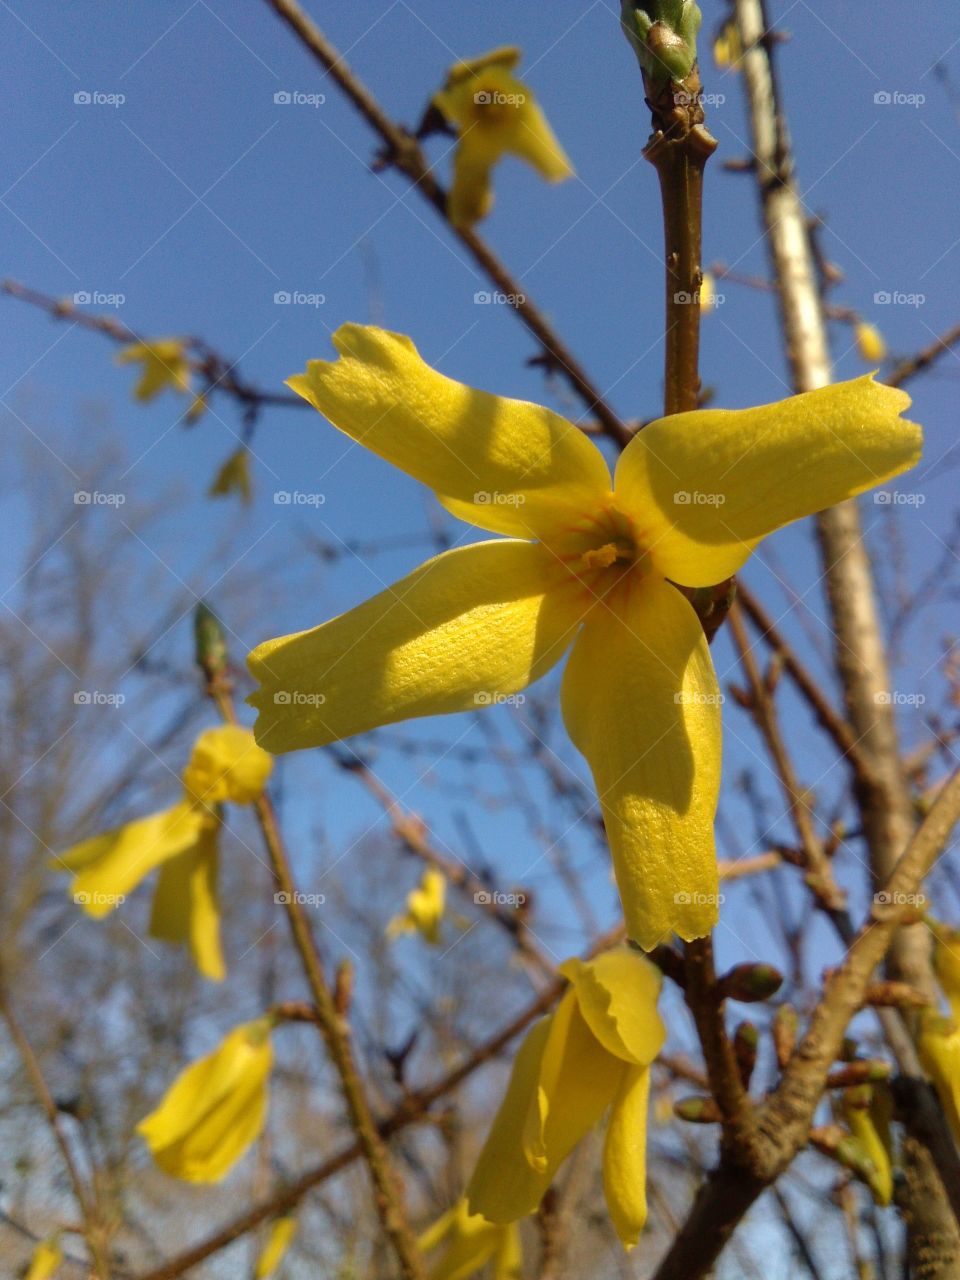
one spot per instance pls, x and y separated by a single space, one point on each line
164 362
226 765
592 1053
589 564
494 114
939 1046
215 1108
278 1242
45 1261
425 905
466 1242
870 343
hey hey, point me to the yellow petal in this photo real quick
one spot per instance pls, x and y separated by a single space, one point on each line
234 477
870 343
625 1156
215 1108
863 1127
939 1046
576 1082
164 362
505 465
508 1260
946 962
471 197
469 1241
281 1236
617 993
705 487
640 700
425 906
108 866
46 1260
227 764
186 907
464 630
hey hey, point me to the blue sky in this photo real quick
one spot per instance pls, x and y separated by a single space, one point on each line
198 198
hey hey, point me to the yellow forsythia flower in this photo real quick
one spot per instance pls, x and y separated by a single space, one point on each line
45 1261
424 913
226 764
588 562
708 293
164 363
870 343
727 50
593 1052
278 1242
939 1046
215 1108
234 477
495 114
467 1242
946 963
870 1125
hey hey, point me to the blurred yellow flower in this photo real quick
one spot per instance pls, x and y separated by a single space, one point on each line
946 962
495 114
870 343
234 477
424 913
164 363
939 1046
226 764
467 1242
708 293
867 1112
279 1240
45 1261
727 50
592 1053
589 563
215 1108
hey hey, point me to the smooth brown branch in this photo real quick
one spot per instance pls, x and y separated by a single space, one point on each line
403 152
912 365
335 1031
94 1230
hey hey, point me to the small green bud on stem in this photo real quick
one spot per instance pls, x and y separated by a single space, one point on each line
750 983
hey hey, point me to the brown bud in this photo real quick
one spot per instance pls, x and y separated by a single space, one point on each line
697 1110
745 1040
750 983
894 994
859 1073
785 1025
343 988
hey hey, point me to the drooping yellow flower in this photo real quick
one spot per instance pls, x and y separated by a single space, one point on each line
226 764
46 1260
467 1242
592 1053
586 563
939 1046
870 343
164 363
946 962
215 1108
867 1111
425 905
727 50
279 1240
708 293
234 477
495 114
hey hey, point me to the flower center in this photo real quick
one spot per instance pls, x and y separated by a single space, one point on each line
602 550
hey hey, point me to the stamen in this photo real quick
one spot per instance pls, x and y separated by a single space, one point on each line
601 557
